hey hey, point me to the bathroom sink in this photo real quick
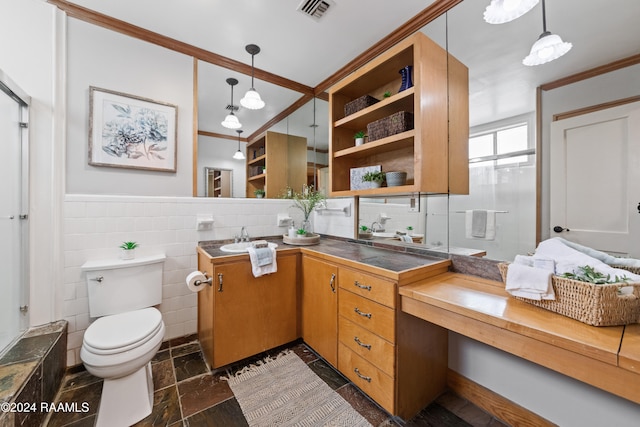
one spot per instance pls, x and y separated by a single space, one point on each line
241 247
383 234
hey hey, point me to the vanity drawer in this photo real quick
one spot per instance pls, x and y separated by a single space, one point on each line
379 290
378 385
368 345
368 314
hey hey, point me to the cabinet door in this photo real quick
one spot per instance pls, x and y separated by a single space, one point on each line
238 314
280 301
320 307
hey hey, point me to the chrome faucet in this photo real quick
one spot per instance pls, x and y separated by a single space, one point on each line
379 228
244 235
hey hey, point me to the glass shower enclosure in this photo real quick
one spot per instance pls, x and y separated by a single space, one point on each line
14 219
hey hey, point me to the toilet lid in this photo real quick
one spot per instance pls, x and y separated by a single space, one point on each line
123 330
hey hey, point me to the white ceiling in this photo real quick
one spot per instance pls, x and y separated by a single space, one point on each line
303 50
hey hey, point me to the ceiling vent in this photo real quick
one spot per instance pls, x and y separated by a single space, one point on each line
315 8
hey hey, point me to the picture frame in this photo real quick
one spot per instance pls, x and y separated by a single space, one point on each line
127 131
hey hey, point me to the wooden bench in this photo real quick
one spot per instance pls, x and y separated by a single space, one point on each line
605 357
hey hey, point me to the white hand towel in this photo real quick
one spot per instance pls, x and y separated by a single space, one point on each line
474 219
529 282
523 260
260 264
602 256
406 239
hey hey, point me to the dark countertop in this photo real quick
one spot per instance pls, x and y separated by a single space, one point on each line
385 258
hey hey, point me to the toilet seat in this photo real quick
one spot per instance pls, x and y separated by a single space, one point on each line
122 332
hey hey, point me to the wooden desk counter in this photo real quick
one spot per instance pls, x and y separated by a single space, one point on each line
481 309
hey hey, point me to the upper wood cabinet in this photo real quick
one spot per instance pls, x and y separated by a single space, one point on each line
434 157
276 161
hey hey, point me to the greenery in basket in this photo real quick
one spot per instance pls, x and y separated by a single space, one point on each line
589 274
373 176
306 201
359 134
128 246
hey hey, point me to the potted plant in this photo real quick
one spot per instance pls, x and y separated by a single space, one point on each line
307 201
301 232
365 232
128 250
259 193
374 178
387 94
359 137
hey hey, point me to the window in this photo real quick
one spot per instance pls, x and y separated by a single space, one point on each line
505 143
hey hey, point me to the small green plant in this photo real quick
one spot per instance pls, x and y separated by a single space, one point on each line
409 228
373 176
127 246
589 274
364 228
387 94
359 134
259 192
301 232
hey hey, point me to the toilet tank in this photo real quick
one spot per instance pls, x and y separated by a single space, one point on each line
117 286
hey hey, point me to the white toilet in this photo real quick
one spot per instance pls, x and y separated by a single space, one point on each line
119 345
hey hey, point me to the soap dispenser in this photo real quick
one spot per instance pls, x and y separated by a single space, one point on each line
292 231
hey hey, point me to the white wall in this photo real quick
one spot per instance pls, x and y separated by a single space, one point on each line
110 60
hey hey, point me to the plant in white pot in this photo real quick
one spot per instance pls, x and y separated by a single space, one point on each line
359 137
259 193
128 250
374 178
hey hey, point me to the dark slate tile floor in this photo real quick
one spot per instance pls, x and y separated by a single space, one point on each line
187 394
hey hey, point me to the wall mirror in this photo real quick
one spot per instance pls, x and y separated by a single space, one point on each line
217 144
218 182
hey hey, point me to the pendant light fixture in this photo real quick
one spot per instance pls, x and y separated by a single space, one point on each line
252 98
501 11
238 154
231 121
548 46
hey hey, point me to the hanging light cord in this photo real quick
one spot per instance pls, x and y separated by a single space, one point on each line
544 20
252 69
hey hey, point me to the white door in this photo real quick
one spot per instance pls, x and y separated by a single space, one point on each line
595 180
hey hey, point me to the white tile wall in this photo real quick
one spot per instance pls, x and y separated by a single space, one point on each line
94 227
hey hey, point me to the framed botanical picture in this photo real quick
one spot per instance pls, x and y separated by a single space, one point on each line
127 131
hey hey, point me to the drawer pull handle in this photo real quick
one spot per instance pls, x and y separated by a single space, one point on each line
367 287
367 315
361 344
219 282
367 379
332 283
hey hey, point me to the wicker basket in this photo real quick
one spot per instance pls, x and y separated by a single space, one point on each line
359 104
597 305
396 123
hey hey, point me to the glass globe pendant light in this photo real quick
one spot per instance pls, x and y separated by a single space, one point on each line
231 121
252 98
548 46
238 154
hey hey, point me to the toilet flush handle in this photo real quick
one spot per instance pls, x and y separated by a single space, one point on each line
98 279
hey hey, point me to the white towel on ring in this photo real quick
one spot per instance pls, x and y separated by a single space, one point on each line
259 258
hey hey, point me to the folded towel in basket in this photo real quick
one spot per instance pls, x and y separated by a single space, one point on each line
529 282
263 260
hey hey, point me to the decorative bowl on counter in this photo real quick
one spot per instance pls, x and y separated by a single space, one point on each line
299 240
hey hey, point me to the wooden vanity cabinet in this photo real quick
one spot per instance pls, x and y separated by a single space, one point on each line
320 307
241 315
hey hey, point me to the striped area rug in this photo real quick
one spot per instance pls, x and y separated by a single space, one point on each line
284 391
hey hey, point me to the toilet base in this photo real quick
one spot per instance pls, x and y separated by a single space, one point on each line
126 400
